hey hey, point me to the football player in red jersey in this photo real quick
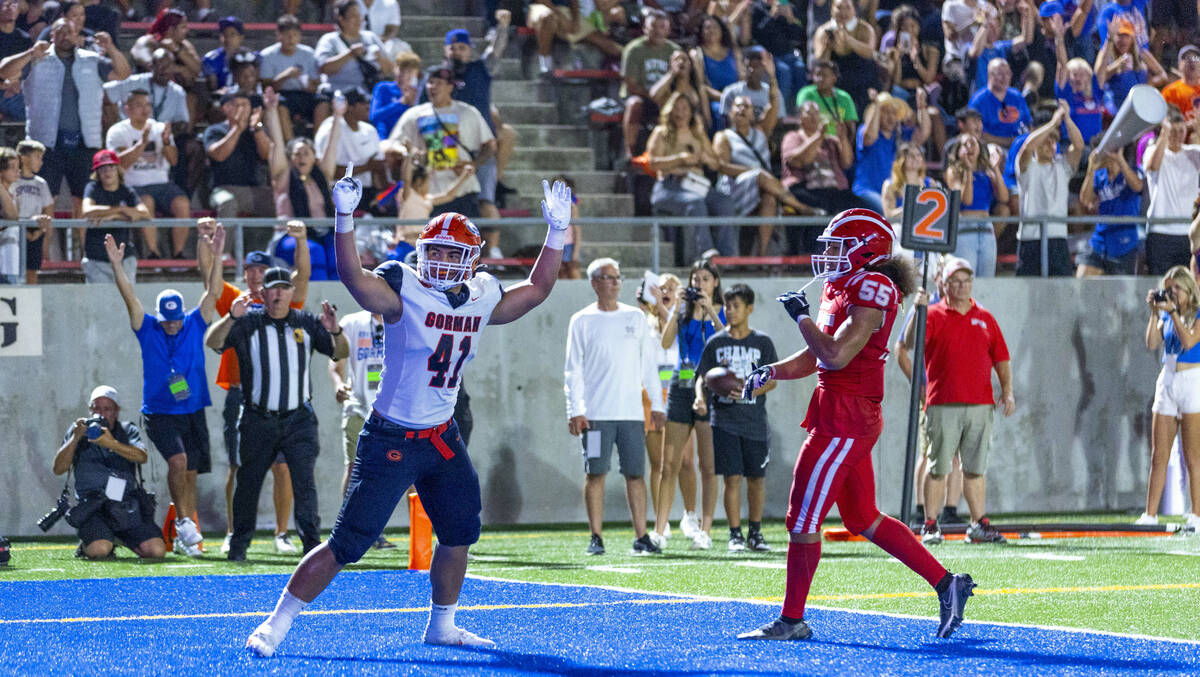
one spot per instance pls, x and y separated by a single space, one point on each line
847 349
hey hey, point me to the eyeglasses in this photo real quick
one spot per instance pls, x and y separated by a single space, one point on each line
609 278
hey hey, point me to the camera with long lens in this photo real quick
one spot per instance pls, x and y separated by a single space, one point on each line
47 522
691 293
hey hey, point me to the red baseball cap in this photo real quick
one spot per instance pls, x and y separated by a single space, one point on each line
104 157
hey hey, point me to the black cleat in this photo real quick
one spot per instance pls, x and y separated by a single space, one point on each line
596 547
645 546
779 629
951 603
757 543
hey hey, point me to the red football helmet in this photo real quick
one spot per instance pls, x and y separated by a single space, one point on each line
865 238
455 231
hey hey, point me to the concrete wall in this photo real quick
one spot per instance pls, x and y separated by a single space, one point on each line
1078 441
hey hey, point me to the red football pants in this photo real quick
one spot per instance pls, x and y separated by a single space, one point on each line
833 470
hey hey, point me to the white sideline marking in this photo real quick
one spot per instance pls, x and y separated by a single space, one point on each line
614 570
1080 631
1054 557
762 565
188 566
1186 553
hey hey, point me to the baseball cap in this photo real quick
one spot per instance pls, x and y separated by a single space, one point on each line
231 21
258 258
1124 26
1050 8
355 95
104 157
458 35
277 277
104 391
170 305
953 265
441 71
1189 50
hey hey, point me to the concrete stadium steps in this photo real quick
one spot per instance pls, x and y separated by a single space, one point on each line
529 181
631 255
593 204
550 158
536 136
436 25
521 91
530 113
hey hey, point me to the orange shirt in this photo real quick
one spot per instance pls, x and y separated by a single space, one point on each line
1183 95
228 375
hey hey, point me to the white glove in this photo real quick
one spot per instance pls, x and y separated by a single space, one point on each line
347 193
556 207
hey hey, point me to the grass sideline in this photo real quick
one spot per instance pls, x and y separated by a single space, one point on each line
1147 586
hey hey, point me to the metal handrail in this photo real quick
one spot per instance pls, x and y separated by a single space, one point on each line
238 224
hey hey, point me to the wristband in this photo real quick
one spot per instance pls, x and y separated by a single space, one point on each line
555 238
343 223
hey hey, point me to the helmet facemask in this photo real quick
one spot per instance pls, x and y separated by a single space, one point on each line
442 274
833 266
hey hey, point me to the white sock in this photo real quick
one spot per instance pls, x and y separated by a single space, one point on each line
441 619
286 610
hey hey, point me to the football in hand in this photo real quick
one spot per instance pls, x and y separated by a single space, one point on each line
722 381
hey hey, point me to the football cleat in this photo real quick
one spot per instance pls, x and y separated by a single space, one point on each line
596 547
951 603
457 637
779 629
264 640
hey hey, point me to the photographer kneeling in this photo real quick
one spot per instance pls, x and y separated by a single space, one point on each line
104 453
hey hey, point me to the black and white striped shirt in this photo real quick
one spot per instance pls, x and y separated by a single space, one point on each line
275 356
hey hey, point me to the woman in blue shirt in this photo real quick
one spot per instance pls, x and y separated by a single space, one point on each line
979 184
717 59
696 316
1172 327
1122 64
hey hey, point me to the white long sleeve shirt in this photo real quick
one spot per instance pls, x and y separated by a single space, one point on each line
610 359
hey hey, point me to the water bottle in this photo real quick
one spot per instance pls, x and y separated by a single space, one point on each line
339 101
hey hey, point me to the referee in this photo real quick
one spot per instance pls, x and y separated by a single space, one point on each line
274 347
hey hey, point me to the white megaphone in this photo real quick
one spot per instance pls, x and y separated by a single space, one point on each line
1144 108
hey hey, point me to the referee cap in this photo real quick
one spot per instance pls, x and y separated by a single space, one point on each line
104 391
170 305
277 277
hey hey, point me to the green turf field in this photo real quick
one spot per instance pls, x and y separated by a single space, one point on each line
1147 586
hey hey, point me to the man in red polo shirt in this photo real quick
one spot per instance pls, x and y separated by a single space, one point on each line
963 345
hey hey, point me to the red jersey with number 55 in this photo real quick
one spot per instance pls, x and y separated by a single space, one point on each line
847 400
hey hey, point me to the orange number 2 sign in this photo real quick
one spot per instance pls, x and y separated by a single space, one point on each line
925 227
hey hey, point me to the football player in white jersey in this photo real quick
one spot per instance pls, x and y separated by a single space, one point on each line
433 317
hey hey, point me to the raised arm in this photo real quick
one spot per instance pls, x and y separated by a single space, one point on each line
370 291
215 245
302 259
278 158
215 337
1075 149
116 254
525 296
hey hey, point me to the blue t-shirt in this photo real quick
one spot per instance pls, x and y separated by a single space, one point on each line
1087 114
387 106
1114 240
874 163
1135 11
691 337
1173 346
181 354
981 192
1001 49
1117 87
1005 119
216 65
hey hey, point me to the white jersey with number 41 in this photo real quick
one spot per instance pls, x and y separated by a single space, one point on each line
426 352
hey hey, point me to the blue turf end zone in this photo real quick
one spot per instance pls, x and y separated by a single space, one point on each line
546 629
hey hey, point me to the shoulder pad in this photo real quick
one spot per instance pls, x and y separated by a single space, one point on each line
392 272
871 289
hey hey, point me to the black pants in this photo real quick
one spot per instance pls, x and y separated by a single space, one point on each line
1165 251
261 438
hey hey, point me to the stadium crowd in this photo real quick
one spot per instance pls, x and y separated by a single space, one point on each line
759 107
